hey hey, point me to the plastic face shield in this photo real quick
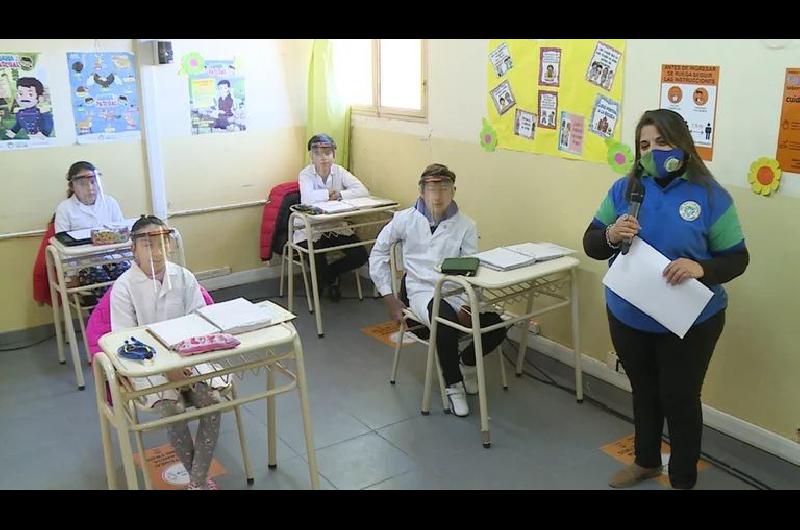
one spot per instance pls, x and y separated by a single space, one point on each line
153 249
437 192
88 187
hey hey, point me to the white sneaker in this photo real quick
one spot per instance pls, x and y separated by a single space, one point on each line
458 399
470 376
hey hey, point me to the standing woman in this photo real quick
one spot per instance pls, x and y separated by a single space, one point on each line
690 218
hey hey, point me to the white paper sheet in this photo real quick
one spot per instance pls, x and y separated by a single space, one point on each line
334 206
541 251
368 202
637 277
85 233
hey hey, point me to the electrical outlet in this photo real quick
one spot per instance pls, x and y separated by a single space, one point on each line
613 363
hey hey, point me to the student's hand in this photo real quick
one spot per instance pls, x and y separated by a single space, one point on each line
334 196
395 307
179 374
624 227
682 269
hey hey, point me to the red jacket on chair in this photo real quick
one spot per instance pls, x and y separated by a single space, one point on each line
41 290
271 214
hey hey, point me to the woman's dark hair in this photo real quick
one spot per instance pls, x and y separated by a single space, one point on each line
76 168
147 220
675 131
438 170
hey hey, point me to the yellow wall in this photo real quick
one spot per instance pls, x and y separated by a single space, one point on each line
200 171
522 197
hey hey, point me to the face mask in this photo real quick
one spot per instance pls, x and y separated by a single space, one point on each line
661 164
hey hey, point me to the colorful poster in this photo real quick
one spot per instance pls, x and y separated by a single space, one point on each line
502 97
26 109
501 60
548 109
548 79
525 124
570 135
603 66
604 116
691 91
104 96
216 99
549 66
788 154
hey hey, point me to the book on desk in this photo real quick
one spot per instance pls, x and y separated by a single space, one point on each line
235 316
520 255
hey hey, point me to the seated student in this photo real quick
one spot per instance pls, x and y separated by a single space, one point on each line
321 181
157 289
431 230
86 206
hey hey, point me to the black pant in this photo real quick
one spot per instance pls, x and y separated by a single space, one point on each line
447 341
666 375
354 257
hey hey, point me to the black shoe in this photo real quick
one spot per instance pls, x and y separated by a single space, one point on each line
334 293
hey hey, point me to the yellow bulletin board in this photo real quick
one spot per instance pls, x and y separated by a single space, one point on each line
560 97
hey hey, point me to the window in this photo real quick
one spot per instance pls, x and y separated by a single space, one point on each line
383 77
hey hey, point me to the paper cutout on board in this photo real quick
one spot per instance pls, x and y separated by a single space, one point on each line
550 66
603 65
570 135
217 98
764 176
620 157
548 109
501 60
192 64
26 109
788 151
488 136
525 124
503 97
604 116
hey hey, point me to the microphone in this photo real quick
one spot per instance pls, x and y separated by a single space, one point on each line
635 197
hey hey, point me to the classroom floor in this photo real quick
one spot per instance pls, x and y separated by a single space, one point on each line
367 433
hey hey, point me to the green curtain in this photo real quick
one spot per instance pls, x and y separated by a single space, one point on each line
327 112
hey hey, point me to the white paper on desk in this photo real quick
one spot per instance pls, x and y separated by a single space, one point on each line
361 203
86 233
541 251
637 277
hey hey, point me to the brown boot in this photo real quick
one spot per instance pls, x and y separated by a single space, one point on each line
632 475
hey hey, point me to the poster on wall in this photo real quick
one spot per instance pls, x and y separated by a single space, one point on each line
26 109
603 65
570 135
788 154
501 60
604 116
550 80
216 98
104 96
691 91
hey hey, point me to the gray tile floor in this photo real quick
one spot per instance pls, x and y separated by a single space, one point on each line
368 434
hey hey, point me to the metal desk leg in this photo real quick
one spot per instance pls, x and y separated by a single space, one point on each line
272 461
476 337
290 273
51 281
248 471
73 342
523 340
79 309
315 285
425 409
302 389
105 427
140 448
576 335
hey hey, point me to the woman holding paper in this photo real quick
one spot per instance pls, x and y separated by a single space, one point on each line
155 289
688 217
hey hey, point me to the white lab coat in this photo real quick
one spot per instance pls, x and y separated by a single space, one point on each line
313 190
135 302
422 254
72 214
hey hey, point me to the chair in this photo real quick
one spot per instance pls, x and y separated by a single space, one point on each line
408 314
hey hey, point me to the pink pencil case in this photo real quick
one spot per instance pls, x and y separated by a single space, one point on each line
206 343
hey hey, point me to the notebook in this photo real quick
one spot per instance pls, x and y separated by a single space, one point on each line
503 259
334 206
172 332
238 316
368 202
541 251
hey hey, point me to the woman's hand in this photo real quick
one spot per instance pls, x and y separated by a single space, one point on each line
623 228
395 307
681 269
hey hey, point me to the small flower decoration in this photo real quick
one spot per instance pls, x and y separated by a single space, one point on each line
619 157
488 136
192 64
764 176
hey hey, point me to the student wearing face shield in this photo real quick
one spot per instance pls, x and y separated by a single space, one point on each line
321 181
86 205
158 288
431 230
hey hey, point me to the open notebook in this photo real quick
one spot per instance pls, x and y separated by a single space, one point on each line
234 316
349 205
521 255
